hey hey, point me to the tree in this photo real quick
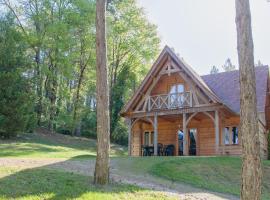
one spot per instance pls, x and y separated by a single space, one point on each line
132 44
101 175
228 66
259 64
251 161
214 70
34 36
16 110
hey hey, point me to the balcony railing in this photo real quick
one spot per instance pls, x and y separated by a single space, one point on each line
169 101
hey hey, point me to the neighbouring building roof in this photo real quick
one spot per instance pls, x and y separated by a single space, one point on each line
226 86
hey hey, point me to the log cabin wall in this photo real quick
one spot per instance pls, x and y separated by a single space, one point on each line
165 82
230 149
205 143
263 141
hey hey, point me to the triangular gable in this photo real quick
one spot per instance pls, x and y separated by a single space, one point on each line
158 67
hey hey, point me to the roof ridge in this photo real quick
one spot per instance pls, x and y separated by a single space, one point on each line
236 70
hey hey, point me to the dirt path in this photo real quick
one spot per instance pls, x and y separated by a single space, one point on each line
87 168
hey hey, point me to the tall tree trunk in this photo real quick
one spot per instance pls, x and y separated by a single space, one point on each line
101 175
251 165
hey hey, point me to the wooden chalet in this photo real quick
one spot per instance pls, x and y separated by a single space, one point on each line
195 115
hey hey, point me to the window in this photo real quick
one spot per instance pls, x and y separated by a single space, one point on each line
148 138
234 135
177 88
175 99
226 135
230 135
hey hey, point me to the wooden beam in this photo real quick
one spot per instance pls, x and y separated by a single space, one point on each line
201 108
129 136
193 87
147 94
155 134
185 138
217 131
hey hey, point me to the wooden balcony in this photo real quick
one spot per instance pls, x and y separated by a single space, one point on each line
169 101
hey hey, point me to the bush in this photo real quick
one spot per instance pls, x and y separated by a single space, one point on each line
89 126
16 110
120 133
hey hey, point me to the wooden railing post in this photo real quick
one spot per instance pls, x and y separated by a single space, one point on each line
185 137
149 103
190 99
155 134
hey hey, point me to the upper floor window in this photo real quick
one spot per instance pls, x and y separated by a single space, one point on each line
176 99
177 88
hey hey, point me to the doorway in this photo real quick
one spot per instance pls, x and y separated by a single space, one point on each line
192 141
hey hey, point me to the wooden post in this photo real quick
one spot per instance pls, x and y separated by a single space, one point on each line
129 136
185 149
217 131
155 135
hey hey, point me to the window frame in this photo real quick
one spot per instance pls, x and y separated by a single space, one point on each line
150 137
230 131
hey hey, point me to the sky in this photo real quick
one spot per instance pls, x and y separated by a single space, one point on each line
203 32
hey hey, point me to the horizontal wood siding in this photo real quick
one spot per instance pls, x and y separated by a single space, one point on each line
136 140
167 134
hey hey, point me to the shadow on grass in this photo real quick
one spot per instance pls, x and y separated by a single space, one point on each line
62 145
51 183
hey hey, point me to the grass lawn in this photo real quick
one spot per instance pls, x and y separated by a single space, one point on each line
40 183
218 174
40 145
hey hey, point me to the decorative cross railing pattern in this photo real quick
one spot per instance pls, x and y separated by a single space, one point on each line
169 101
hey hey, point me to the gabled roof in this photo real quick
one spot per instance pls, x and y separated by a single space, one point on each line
155 70
226 86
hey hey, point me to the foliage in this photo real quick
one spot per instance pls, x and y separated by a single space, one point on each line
60 38
132 44
228 66
119 135
16 110
214 70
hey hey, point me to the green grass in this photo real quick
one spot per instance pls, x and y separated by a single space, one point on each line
219 174
40 145
41 183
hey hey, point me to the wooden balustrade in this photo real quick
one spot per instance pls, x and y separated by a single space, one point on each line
169 101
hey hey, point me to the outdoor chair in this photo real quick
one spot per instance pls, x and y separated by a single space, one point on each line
160 149
169 151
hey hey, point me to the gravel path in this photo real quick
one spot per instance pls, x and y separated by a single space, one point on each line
84 167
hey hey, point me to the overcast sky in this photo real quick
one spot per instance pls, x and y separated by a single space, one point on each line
203 32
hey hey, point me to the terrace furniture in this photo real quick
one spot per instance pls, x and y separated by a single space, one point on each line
147 150
160 149
169 150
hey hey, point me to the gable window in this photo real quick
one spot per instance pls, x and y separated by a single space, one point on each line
148 138
176 100
177 88
230 135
